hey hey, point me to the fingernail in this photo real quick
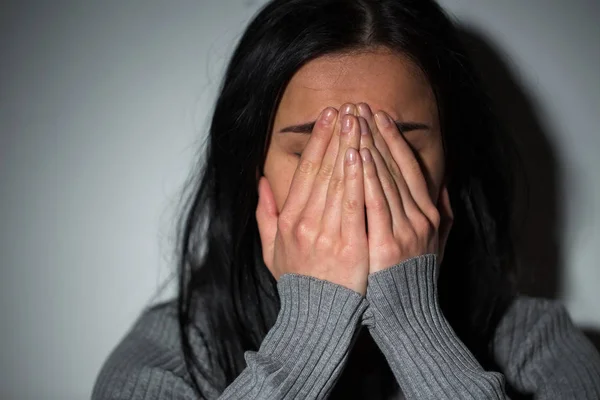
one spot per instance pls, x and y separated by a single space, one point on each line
382 119
364 128
328 115
365 111
348 109
366 154
351 155
347 123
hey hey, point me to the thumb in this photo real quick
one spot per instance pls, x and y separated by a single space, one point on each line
266 217
446 220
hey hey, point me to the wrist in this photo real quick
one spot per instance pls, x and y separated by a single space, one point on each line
407 290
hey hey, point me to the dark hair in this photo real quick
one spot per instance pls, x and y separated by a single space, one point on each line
222 271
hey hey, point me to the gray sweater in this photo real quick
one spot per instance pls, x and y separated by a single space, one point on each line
536 345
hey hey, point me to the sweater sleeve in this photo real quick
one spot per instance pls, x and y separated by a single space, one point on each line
425 355
301 357
542 352
304 353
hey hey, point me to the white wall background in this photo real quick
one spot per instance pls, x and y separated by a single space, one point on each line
102 108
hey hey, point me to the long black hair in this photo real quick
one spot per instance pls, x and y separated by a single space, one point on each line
221 271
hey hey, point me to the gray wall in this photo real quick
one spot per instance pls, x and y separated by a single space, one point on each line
102 108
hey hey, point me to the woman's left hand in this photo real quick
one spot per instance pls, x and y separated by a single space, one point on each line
403 222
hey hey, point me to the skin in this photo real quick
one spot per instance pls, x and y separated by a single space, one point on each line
314 209
383 80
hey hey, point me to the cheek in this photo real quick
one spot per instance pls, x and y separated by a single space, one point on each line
435 177
432 166
283 182
279 171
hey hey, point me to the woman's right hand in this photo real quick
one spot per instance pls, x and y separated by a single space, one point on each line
321 229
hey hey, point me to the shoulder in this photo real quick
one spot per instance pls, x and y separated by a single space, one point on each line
534 326
148 363
528 317
527 311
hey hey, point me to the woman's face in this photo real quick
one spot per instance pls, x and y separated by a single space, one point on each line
384 80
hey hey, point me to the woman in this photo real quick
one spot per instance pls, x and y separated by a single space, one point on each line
349 234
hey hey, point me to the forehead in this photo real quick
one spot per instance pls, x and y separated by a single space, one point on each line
386 81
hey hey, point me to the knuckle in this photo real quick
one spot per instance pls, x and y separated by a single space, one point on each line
390 251
350 205
323 241
337 185
347 252
378 205
304 228
285 223
326 171
434 217
306 166
408 240
422 225
387 184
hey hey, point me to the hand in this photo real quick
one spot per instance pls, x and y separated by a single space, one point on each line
321 229
402 220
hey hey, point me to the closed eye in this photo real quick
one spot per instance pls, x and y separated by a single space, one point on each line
402 127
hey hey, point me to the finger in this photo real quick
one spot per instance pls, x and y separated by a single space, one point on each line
384 160
316 202
446 220
411 208
266 218
379 217
409 166
366 136
379 142
349 135
401 203
310 161
353 229
389 185
409 205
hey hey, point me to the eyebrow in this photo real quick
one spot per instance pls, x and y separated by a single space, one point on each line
308 127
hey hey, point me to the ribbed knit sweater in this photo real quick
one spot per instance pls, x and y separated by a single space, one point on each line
536 345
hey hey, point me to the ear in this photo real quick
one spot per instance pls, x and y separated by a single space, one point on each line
266 217
446 220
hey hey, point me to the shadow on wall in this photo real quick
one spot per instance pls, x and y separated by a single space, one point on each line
538 217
